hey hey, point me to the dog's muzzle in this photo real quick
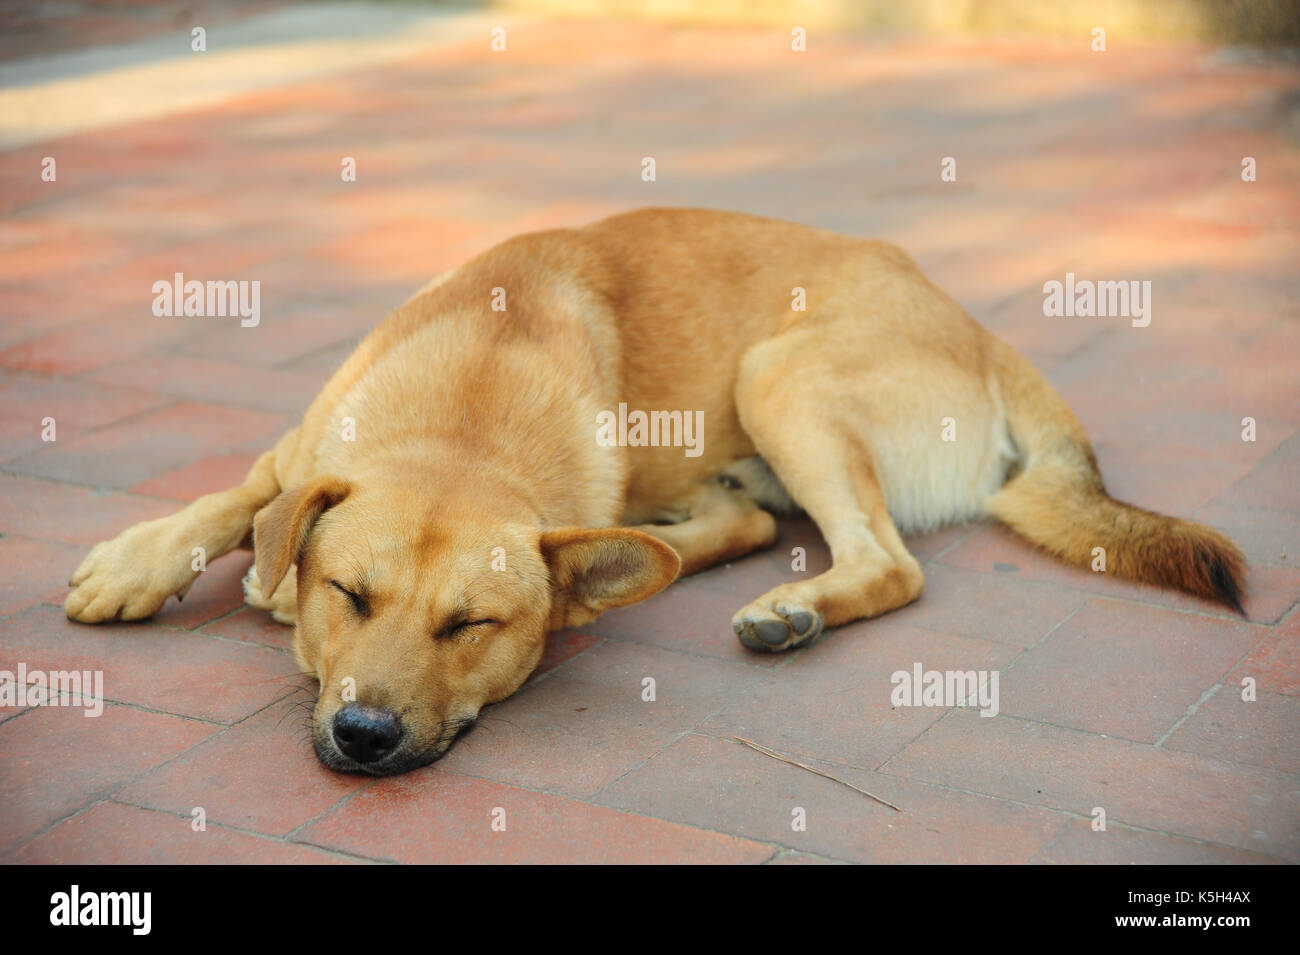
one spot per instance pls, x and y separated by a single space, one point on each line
366 734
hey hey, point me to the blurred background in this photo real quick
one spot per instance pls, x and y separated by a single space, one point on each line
30 27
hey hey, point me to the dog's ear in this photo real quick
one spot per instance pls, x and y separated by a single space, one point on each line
595 570
280 529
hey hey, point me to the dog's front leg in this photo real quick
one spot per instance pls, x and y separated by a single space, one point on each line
131 576
722 526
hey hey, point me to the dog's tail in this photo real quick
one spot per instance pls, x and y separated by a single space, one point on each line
1059 502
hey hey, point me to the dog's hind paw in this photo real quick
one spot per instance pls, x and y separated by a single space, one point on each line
779 628
283 604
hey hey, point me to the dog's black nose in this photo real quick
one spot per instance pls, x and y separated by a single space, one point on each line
365 733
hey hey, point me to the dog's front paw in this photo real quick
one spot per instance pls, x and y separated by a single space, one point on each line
774 626
129 577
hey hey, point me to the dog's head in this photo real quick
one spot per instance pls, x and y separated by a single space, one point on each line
415 610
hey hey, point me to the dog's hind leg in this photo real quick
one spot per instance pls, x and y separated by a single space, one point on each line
282 605
131 576
806 428
722 525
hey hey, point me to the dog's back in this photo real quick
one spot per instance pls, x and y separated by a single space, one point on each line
670 309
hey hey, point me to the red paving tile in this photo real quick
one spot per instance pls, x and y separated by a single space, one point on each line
69 514
217 591
441 817
1156 474
77 407
1264 535
1271 484
203 477
284 335
1261 732
1262 511
28 311
1127 168
801 858
590 722
999 608
1274 665
1080 844
324 361
260 775
833 700
404 250
562 647
58 760
39 262
926 547
144 664
113 834
1138 785
749 793
71 351
44 562
128 453
251 625
1122 670
220 382
1257 381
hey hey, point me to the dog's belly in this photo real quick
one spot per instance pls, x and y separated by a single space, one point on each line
925 486
939 440
928 484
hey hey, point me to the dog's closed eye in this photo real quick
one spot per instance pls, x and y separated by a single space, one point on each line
359 603
465 626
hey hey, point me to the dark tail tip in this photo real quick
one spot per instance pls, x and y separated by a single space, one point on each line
1222 572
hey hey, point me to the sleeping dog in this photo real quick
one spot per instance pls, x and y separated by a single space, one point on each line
574 418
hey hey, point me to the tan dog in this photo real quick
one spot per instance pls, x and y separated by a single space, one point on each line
455 491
